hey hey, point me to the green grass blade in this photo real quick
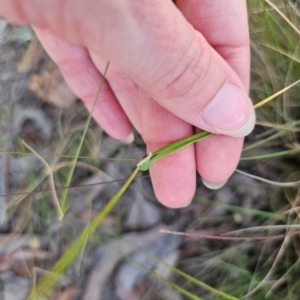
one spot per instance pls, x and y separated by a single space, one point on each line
204 285
172 148
180 289
190 279
264 141
64 196
152 157
271 155
246 211
49 281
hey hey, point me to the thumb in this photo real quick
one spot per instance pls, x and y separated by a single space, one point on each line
188 77
179 69
205 92
154 44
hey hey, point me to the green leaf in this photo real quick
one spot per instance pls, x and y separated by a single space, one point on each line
152 157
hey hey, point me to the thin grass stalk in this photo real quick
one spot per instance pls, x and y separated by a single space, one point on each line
204 285
64 197
283 16
67 156
271 155
172 284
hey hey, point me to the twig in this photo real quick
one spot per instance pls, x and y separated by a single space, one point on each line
287 12
283 16
51 181
276 183
64 196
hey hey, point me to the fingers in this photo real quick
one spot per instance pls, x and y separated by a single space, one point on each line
217 157
158 48
225 26
173 178
84 79
152 42
124 89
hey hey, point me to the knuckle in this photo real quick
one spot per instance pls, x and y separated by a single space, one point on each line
188 77
73 67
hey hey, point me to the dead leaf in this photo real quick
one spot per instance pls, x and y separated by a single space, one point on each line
50 86
31 56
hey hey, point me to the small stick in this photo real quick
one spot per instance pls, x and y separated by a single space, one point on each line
287 12
52 184
222 238
283 16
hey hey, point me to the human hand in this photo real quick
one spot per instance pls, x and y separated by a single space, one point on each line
173 69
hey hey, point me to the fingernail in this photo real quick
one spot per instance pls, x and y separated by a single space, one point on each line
230 112
213 185
129 139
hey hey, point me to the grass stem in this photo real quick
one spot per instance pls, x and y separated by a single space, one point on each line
64 197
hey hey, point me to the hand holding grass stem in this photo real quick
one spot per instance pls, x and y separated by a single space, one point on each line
163 152
85 51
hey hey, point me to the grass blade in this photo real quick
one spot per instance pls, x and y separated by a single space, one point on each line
50 280
145 163
271 155
64 197
172 148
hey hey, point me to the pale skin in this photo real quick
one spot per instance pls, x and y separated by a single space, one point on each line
174 69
